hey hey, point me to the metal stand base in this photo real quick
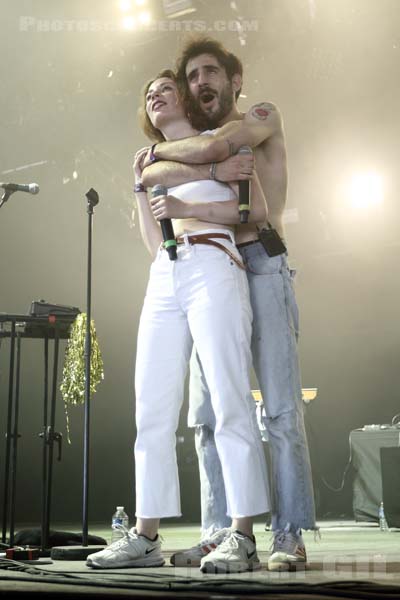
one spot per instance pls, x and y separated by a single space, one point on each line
73 552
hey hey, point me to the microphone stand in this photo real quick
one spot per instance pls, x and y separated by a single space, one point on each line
92 200
81 552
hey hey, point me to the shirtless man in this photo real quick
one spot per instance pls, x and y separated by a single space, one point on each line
213 77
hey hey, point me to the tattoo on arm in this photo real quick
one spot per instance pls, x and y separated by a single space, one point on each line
262 110
231 147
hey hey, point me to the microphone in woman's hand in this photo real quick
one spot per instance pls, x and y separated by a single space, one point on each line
166 224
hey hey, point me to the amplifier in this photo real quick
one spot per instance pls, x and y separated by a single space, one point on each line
41 308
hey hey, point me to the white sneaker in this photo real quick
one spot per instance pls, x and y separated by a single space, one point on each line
132 550
192 557
237 553
288 551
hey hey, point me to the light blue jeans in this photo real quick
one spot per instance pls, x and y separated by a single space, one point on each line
275 361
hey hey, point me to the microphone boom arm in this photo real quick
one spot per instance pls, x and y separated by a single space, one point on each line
5 197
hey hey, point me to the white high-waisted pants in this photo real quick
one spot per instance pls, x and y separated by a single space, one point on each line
203 298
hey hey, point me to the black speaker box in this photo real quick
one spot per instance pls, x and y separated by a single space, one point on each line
390 469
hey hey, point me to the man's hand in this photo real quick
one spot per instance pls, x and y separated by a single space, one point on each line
169 207
235 168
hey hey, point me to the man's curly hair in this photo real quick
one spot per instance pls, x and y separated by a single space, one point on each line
194 46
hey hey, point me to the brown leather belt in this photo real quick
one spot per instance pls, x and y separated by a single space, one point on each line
209 239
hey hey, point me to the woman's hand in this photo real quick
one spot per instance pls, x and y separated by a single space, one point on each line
169 207
138 164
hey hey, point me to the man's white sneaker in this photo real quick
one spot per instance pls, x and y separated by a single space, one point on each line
193 556
288 551
132 550
237 553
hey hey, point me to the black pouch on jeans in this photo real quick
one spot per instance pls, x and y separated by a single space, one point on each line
272 242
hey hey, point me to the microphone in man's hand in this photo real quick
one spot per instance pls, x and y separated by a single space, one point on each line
166 224
31 188
244 191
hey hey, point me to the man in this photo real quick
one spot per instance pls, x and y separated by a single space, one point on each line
212 78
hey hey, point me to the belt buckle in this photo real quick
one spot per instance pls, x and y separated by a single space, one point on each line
185 238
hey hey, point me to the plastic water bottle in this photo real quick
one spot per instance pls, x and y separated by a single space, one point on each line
383 526
119 518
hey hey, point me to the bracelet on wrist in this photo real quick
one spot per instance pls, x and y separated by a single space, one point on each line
153 157
213 169
139 187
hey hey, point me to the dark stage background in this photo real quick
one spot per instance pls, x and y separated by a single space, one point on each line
68 106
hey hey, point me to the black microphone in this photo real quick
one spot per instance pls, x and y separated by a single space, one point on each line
31 188
166 224
244 191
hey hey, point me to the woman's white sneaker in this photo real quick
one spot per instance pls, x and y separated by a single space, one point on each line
236 554
132 550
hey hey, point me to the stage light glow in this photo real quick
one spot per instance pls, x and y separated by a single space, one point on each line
178 8
366 190
129 22
145 18
140 2
125 5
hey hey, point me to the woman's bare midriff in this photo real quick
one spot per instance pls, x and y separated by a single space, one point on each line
182 226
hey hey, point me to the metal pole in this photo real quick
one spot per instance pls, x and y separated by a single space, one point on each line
8 432
93 199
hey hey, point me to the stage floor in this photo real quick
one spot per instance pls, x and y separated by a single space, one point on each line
349 560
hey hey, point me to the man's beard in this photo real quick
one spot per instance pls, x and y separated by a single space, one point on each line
202 119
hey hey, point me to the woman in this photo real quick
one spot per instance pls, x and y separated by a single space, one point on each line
200 298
